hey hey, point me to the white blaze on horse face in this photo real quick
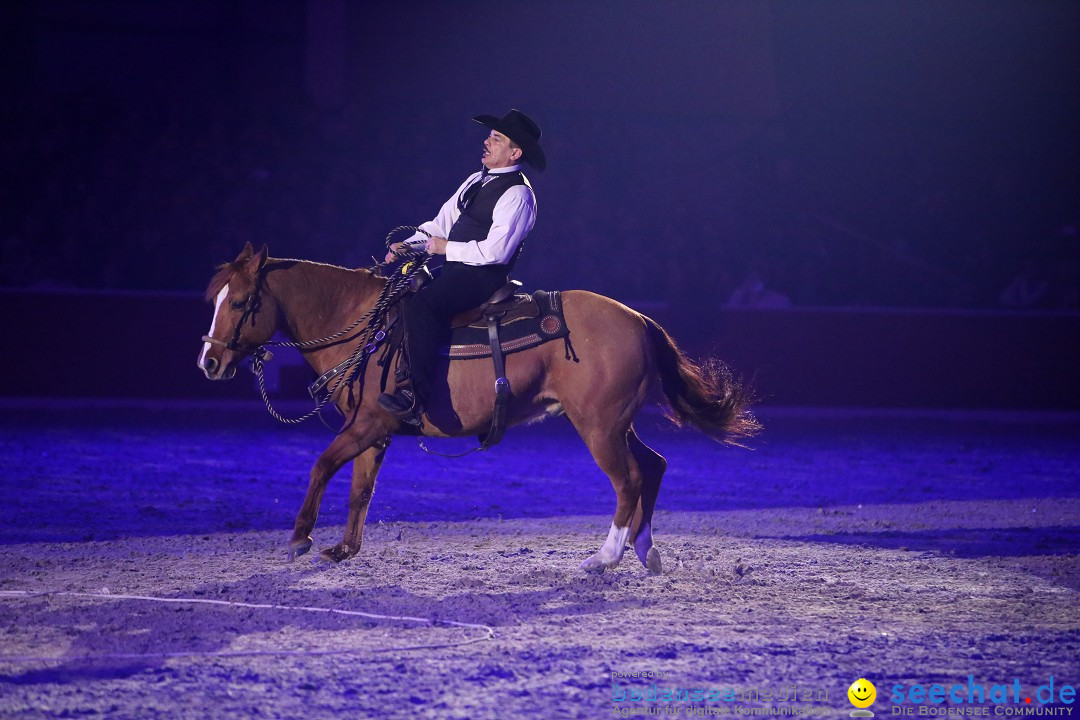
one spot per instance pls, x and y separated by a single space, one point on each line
222 294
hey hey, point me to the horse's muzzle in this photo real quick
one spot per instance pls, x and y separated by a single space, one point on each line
213 370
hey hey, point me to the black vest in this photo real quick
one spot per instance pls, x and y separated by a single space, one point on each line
475 220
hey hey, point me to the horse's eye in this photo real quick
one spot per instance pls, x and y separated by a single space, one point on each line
238 304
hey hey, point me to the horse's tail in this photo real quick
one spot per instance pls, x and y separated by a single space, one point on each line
706 396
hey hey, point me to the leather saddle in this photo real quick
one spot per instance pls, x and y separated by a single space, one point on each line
506 304
503 307
506 307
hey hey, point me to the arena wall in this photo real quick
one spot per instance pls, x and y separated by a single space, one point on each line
143 345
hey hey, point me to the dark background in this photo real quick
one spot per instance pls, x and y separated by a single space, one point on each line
918 154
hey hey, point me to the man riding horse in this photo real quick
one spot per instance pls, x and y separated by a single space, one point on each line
625 359
480 230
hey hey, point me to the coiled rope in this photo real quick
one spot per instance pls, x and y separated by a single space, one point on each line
397 285
488 631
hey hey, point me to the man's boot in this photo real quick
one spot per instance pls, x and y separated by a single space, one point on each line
402 405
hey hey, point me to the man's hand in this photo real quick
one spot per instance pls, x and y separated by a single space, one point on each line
436 245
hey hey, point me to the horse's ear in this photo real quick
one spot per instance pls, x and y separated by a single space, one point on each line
246 252
253 262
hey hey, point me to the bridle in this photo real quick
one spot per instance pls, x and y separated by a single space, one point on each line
371 336
251 308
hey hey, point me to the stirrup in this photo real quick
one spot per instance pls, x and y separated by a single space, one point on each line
402 405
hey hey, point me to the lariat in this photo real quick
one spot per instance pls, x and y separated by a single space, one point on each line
346 374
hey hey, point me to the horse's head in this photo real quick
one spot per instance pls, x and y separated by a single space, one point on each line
245 315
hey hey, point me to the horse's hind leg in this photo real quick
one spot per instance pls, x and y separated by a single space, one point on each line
611 451
365 469
652 465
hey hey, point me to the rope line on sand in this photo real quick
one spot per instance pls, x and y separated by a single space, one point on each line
489 632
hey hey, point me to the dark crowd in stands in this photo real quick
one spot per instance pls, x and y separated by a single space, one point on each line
106 195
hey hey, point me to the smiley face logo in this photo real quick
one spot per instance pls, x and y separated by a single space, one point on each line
862 693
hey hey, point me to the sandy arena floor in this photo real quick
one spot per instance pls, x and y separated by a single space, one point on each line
906 549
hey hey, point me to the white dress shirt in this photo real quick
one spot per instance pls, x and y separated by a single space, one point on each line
512 219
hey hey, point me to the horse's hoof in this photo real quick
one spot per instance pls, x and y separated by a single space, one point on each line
597 565
298 548
652 562
335 554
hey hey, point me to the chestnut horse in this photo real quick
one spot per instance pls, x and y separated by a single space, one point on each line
622 356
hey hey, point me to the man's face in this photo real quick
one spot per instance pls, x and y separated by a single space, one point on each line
498 152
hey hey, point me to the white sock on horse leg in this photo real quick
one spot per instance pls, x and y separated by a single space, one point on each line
613 547
643 541
610 553
647 554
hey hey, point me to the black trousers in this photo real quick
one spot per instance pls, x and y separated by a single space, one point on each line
457 288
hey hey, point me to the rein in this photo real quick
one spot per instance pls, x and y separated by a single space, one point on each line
371 337
397 285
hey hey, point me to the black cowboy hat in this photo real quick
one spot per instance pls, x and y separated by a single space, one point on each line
523 130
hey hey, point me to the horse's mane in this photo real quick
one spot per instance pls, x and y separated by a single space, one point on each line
225 271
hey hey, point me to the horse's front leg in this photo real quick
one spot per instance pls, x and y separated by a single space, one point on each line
365 469
343 449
